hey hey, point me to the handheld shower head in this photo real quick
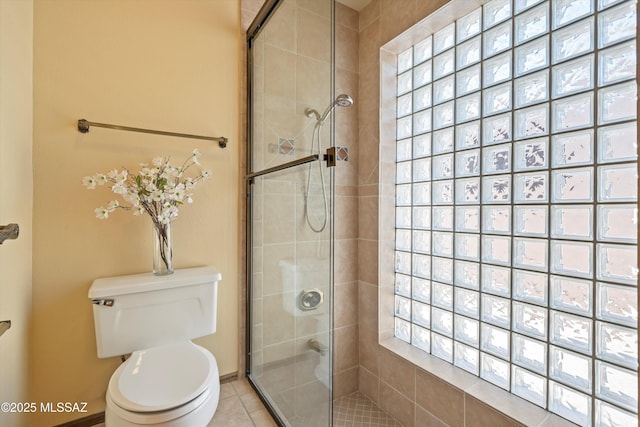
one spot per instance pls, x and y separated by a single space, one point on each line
342 100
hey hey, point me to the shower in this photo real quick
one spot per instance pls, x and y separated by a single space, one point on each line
342 100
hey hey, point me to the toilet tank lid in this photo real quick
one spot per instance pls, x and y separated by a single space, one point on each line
145 282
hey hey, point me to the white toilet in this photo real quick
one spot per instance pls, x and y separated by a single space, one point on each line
168 380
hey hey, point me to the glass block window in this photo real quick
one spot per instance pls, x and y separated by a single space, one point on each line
516 202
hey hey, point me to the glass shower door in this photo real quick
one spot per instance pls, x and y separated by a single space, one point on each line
290 203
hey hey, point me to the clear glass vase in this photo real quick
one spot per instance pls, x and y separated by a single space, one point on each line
162 251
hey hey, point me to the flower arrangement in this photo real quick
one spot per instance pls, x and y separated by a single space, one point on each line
157 190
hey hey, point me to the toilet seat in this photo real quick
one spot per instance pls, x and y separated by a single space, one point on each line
163 378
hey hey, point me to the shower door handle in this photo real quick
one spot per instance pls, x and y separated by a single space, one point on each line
330 157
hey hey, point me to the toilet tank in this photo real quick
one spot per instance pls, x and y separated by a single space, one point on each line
142 311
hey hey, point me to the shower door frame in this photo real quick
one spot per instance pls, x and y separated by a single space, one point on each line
260 21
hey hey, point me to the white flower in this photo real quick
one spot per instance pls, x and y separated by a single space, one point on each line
205 174
157 161
113 174
89 182
102 213
113 205
196 154
101 179
138 210
119 188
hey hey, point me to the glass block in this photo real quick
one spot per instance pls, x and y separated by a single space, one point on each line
403 262
403 307
494 370
421 314
443 64
571 331
421 217
402 329
532 56
468 303
403 195
421 169
573 40
468 163
403 240
617 385
570 404
468 135
573 76
468 218
403 172
573 295
468 191
497 129
617 63
496 11
618 103
617 344
532 24
497 39
532 89
530 253
572 222
403 285
532 121
421 290
617 143
617 24
405 60
403 127
529 353
497 69
403 150
422 74
421 266
618 183
530 287
617 263
570 368
496 310
404 82
572 113
567 11
530 221
497 99
443 115
497 159
521 5
572 185
404 105
443 141
531 187
422 121
443 192
422 145
495 340
443 90
467 358
467 274
421 193
532 154
422 50
468 80
442 272
443 218
468 108
468 53
572 149
467 246
421 241
442 347
422 98
618 223
617 304
529 386
611 416
496 250
442 166
444 38
572 258
496 189
421 338
442 243
496 280
530 320
469 25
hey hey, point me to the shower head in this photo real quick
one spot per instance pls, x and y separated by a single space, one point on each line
342 100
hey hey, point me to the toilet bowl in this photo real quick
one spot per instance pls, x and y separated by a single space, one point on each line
175 385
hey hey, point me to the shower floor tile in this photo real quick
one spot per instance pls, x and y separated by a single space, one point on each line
356 410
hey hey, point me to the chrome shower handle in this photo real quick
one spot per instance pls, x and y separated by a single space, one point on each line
4 326
9 231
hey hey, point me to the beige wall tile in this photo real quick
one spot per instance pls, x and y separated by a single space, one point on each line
345 382
368 261
347 17
345 348
439 398
397 405
478 414
426 419
368 349
345 304
368 211
368 384
395 17
368 305
369 14
398 373
313 35
346 44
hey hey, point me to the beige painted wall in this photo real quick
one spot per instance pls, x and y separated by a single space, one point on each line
16 199
162 64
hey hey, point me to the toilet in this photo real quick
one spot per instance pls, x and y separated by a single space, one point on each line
167 380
